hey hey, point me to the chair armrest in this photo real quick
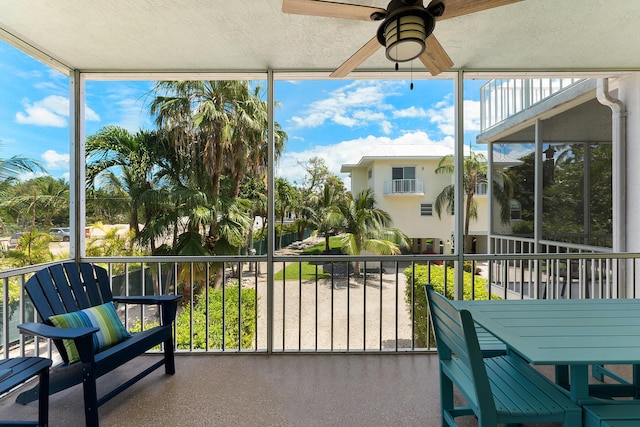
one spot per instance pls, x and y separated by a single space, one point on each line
146 299
168 303
47 331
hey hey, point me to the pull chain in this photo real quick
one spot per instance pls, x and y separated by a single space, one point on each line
411 75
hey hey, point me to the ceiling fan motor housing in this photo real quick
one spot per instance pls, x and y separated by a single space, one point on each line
407 24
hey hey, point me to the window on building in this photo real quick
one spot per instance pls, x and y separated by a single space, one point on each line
370 173
481 187
426 209
407 172
516 209
403 179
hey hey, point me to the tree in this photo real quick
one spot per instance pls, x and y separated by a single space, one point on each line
217 138
11 167
475 173
368 228
123 161
285 196
322 213
40 201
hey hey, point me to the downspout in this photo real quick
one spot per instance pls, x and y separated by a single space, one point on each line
619 174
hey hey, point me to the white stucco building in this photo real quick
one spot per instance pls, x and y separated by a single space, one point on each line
404 181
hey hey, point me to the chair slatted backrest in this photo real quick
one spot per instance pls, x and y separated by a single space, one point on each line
456 337
66 288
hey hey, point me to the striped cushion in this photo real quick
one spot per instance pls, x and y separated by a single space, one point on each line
102 316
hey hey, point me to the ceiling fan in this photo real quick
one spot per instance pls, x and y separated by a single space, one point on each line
405 31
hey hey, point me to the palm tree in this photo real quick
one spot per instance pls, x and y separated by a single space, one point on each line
322 213
475 174
124 163
11 167
285 197
368 228
219 130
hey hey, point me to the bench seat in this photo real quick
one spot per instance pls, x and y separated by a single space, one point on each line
497 390
614 414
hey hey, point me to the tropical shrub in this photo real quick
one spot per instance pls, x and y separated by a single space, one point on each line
416 299
194 317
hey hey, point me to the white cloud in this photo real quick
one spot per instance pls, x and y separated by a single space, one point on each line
354 104
410 112
386 126
55 161
443 115
52 111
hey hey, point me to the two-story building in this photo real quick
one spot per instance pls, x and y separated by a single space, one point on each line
406 185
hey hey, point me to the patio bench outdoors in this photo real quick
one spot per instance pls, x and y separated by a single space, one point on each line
490 346
89 334
612 414
15 371
497 390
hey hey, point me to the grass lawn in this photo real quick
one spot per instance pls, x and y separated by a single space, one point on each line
292 272
318 249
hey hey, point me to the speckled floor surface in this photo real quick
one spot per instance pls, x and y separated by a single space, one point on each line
260 390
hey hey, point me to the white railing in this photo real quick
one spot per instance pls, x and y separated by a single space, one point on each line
317 303
404 186
503 98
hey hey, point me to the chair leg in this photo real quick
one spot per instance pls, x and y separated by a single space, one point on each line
43 398
90 395
446 398
169 358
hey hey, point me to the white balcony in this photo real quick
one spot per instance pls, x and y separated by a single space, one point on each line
414 187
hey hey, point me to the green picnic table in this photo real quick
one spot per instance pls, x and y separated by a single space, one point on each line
573 333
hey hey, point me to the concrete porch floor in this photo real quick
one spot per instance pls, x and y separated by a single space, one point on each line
261 390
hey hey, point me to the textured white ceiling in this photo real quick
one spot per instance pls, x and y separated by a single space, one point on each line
254 35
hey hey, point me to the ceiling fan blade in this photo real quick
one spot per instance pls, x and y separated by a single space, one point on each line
357 58
453 8
330 9
434 57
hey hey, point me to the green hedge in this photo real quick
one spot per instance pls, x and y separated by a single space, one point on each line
434 275
197 317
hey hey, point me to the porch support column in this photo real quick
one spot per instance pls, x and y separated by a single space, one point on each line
271 240
490 248
537 196
587 194
77 196
459 185
537 215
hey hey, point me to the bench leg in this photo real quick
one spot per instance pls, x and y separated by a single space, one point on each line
43 397
169 358
90 395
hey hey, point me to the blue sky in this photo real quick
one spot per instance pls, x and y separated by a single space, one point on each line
338 120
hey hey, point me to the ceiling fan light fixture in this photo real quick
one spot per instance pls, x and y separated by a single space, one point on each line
404 31
404 38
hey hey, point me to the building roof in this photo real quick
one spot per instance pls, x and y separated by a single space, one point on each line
416 152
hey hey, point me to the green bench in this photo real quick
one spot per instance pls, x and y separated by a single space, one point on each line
614 414
498 390
490 346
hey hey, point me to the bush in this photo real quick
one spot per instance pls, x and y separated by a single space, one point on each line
434 275
196 318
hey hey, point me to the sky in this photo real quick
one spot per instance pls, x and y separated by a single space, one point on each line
336 120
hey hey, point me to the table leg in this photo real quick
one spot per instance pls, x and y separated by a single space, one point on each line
579 383
562 376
